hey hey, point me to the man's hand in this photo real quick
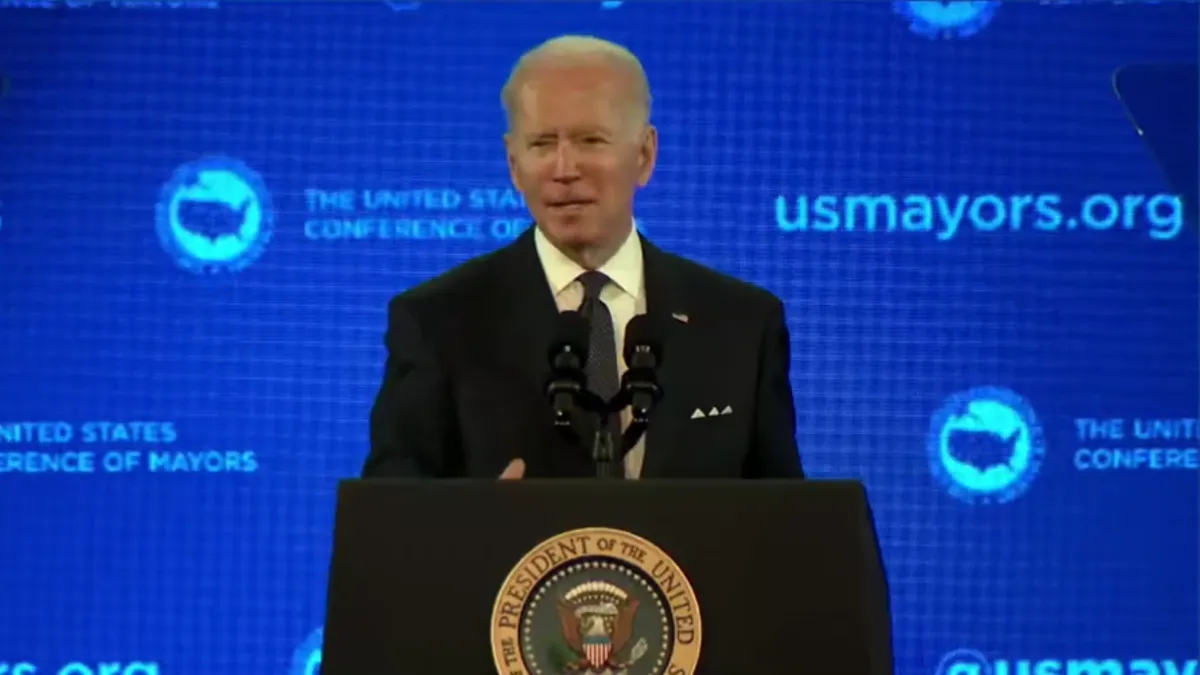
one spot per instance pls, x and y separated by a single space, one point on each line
514 471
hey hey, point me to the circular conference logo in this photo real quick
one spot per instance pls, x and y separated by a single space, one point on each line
214 215
598 601
964 662
307 658
960 19
985 445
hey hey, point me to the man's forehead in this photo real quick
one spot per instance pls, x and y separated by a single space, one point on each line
576 96
576 78
596 106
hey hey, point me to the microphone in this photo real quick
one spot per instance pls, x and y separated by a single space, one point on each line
568 355
643 356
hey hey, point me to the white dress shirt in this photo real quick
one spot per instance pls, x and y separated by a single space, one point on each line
625 297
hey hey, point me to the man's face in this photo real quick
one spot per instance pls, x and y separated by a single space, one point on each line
578 152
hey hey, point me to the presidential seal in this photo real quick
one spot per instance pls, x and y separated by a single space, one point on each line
596 601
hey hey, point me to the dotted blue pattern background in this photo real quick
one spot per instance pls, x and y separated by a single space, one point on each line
208 573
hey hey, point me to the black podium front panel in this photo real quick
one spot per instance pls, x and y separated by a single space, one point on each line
605 577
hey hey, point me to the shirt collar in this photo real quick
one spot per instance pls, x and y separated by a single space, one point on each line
624 267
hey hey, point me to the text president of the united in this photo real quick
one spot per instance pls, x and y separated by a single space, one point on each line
463 392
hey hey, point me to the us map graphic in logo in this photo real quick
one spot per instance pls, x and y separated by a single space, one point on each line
985 445
214 215
307 658
963 662
960 19
596 601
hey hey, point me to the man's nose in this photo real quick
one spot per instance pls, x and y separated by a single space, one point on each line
566 167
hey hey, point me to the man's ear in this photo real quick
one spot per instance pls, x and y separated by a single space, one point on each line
511 157
647 155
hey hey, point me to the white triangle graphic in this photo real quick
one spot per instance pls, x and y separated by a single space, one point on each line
728 410
698 414
714 411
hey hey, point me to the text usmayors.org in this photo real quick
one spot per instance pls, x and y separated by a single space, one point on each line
971 662
81 668
1159 216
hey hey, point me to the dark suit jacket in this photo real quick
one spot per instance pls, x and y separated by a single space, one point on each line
467 366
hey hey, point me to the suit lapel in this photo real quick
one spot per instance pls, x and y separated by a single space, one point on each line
666 298
524 310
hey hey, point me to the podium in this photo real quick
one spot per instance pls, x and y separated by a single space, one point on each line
591 577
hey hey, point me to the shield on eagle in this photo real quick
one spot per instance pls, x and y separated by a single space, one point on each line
597 622
597 650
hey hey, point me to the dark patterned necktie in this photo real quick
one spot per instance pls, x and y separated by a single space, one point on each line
601 368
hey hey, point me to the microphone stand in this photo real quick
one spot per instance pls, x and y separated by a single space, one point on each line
604 455
633 434
602 447
603 452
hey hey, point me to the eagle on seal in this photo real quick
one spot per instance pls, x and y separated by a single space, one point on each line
597 623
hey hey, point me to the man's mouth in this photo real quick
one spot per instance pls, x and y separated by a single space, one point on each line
570 203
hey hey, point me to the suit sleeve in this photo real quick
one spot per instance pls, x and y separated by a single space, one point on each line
775 453
412 425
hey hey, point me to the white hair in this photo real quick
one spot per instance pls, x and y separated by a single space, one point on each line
579 49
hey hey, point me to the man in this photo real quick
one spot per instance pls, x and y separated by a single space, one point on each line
463 393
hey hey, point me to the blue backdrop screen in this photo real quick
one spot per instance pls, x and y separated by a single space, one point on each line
205 207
